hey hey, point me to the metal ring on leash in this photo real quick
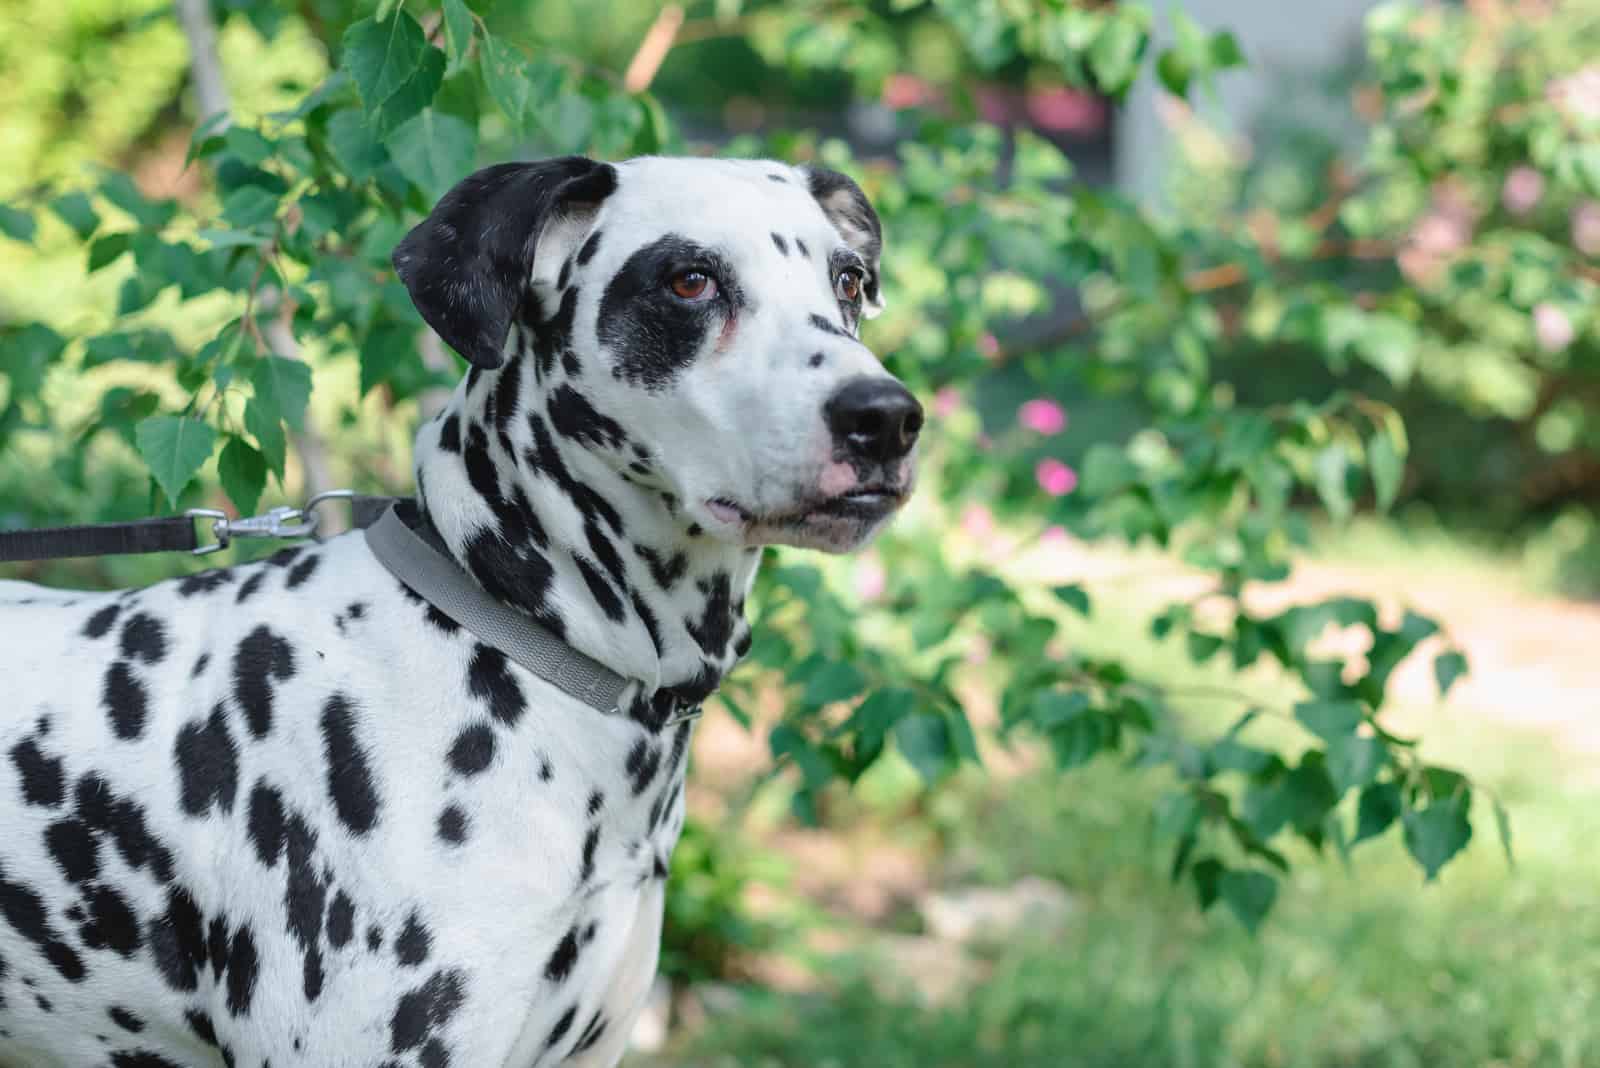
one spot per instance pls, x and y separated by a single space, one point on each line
284 521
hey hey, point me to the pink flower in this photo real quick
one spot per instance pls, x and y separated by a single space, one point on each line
977 522
1551 327
1055 477
989 345
871 578
1522 190
946 402
1042 416
1586 227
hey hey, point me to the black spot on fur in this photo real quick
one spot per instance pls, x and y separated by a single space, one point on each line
507 394
450 433
355 797
266 823
201 1025
829 328
111 923
421 1011
644 759
648 617
801 245
200 665
374 938
777 178
261 659
652 334
243 968
125 1019
301 573
75 849
473 749
41 775
591 842
341 920
715 626
590 247
559 966
250 585
305 898
24 910
574 417
783 246
123 820
204 582
126 700
208 764
488 678
452 825
816 360
592 1033
605 598
177 941
140 1059
101 622
413 943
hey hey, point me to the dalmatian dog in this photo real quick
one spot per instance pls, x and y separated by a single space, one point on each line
288 813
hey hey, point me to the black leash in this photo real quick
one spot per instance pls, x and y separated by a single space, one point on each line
176 533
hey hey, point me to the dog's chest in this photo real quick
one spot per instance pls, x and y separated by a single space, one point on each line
293 810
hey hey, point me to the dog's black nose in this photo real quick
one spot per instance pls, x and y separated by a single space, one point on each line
875 418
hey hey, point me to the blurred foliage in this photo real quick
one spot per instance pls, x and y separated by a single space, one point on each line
234 308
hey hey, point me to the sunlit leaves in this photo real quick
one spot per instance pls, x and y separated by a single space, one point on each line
174 447
434 150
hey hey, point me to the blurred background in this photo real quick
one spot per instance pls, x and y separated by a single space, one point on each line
1233 316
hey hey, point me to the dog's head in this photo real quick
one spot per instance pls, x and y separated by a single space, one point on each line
698 322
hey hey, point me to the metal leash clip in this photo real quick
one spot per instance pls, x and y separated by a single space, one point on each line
284 521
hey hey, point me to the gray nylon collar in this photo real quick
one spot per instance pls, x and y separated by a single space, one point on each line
442 583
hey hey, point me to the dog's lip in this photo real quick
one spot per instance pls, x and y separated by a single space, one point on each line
864 502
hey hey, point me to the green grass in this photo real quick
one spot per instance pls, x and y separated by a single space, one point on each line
1365 967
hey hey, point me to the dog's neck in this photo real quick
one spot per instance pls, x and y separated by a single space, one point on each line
550 506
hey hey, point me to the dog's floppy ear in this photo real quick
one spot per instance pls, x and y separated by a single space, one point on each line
468 264
847 207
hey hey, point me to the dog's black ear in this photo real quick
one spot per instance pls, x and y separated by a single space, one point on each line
468 264
847 207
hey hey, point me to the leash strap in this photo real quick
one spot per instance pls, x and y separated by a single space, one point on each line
441 582
173 533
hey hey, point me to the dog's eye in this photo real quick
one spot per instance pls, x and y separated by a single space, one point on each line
847 285
693 285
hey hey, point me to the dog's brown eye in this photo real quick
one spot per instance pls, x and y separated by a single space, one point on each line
693 285
848 285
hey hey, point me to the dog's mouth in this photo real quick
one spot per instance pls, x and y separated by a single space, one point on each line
864 505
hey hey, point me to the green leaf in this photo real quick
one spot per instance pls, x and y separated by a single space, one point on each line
76 211
519 86
395 70
1447 668
174 447
875 717
249 206
1054 708
1386 464
434 150
354 145
1330 468
267 428
16 223
1437 833
282 388
1329 719
384 349
1114 55
836 680
26 355
1078 741
247 145
119 189
457 32
1225 51
107 248
1249 894
786 741
243 472
1354 761
1207 875
924 740
1174 71
1074 597
1377 810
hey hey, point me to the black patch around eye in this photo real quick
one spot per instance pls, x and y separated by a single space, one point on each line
828 328
652 335
783 246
